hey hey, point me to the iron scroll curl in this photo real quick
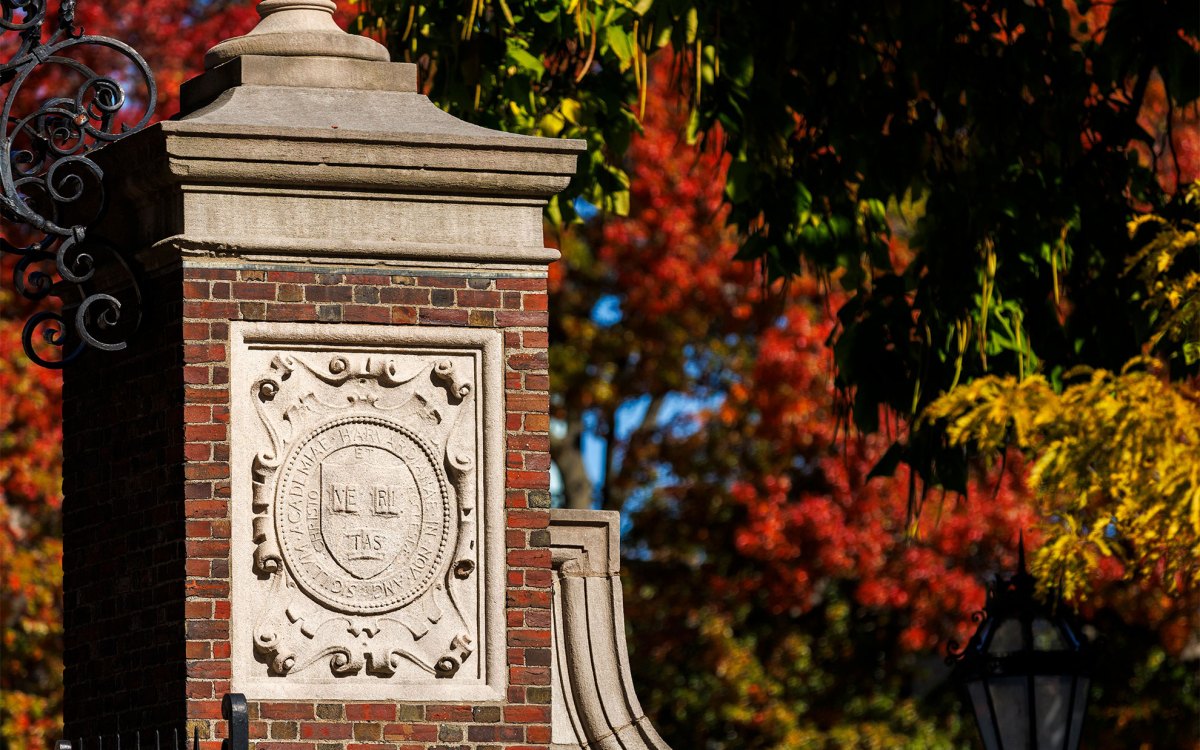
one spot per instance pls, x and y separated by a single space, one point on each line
51 185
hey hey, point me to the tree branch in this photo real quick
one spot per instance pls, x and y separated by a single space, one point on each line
567 452
616 485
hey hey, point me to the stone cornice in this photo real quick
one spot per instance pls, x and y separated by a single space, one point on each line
308 172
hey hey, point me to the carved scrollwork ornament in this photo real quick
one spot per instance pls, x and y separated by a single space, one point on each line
362 524
52 188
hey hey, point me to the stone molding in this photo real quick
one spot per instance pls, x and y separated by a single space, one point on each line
367 507
299 71
295 171
593 703
390 135
411 257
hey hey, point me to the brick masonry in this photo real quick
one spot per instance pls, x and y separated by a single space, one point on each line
147 518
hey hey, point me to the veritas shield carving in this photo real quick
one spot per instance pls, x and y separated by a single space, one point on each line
365 520
370 514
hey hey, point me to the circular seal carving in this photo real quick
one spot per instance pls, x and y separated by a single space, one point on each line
362 513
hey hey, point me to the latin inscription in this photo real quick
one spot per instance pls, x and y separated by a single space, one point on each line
363 514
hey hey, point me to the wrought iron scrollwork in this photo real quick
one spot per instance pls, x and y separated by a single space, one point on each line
53 187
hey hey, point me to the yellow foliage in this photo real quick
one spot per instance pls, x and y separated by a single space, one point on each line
1164 267
1116 466
1116 456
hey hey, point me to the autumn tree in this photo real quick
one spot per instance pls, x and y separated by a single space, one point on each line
30 541
774 594
1009 123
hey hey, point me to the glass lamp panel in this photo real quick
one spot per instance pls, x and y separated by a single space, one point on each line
1047 636
1078 710
1009 638
1052 694
983 715
1010 697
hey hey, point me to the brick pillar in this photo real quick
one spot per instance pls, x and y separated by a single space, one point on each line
319 474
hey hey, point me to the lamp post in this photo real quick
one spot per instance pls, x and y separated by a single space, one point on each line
1025 671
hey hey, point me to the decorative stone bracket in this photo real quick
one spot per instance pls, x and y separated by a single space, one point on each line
594 706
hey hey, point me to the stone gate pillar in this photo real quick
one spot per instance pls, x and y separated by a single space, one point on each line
318 476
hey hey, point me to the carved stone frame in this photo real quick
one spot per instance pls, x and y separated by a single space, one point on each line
485 347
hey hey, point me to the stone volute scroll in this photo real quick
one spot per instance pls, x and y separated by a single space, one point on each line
594 703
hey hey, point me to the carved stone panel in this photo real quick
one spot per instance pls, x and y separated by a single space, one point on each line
367 512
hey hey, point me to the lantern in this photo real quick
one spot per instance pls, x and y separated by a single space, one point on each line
1025 672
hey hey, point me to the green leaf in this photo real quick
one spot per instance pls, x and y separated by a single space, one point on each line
622 45
554 211
738 181
617 202
693 126
520 57
571 110
641 7
803 200
1191 352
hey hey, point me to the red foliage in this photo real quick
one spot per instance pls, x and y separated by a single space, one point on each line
30 548
828 520
809 514
768 501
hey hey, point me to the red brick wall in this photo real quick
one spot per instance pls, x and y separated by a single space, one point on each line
123 528
198 407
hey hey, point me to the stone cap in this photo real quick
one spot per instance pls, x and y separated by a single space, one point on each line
296 44
297 83
365 140
296 148
299 71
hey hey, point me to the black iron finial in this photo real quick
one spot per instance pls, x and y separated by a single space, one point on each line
1021 553
235 711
